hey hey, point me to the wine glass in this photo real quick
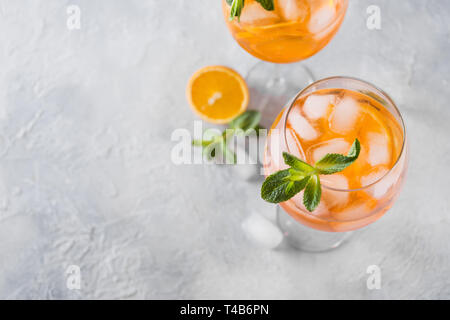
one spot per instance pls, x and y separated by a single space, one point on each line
326 117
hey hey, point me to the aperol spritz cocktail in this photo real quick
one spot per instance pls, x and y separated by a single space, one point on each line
293 31
326 117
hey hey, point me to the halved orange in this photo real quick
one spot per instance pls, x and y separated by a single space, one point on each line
217 94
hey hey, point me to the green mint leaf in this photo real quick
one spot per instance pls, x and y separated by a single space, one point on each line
284 184
333 162
229 2
313 193
246 121
257 128
215 146
236 8
297 164
210 151
267 4
281 186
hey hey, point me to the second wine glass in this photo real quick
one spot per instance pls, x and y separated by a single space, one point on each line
293 31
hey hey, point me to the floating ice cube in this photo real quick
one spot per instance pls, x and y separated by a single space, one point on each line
261 231
298 200
316 106
345 116
391 179
320 211
246 166
321 17
373 176
304 129
293 10
324 32
335 198
336 181
378 149
254 14
337 145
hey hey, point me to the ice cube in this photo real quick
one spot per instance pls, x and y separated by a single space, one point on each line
292 10
320 211
345 116
262 232
336 181
316 106
378 149
294 144
277 145
373 176
304 129
337 145
321 17
256 147
334 198
254 14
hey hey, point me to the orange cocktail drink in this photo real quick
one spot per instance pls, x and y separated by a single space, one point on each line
293 31
325 118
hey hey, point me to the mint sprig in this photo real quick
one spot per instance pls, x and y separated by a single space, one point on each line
238 5
217 146
284 184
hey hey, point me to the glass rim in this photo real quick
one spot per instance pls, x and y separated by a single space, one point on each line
390 101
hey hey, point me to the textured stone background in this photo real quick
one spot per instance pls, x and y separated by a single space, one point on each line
86 178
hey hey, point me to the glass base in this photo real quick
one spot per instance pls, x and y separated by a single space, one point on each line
307 239
272 86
